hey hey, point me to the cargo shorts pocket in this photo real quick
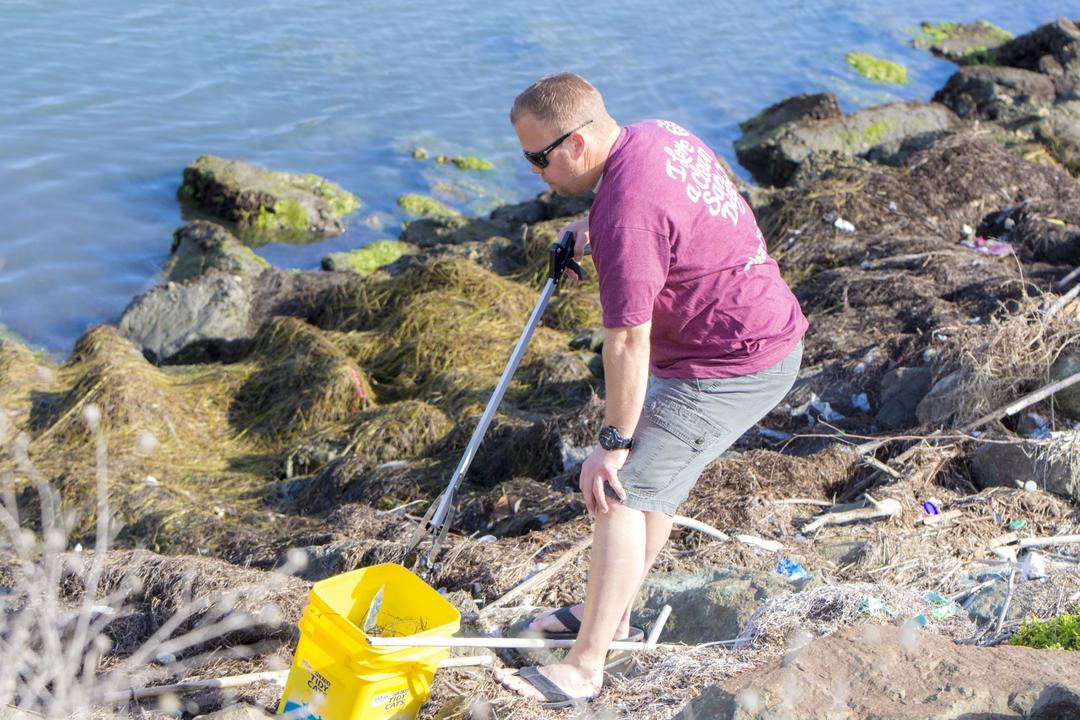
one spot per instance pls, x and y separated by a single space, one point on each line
684 422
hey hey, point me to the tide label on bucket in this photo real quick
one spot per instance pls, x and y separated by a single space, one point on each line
391 700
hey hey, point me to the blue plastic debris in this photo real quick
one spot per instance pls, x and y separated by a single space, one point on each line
930 508
790 569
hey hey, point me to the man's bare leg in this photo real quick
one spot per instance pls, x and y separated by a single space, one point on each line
657 530
616 568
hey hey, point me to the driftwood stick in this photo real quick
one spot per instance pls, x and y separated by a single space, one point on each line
1060 303
1071 276
701 527
539 578
1045 541
802 501
883 509
1029 399
1008 601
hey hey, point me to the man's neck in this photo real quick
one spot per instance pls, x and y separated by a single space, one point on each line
601 150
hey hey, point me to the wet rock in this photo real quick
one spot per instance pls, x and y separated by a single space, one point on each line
963 43
996 93
1067 401
774 152
239 711
1053 49
1060 134
1057 702
214 316
201 246
428 232
1049 466
938 405
881 672
708 605
760 133
901 390
267 204
367 259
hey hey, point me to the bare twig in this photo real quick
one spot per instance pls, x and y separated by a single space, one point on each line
539 578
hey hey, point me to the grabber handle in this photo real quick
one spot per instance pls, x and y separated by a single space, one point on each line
561 256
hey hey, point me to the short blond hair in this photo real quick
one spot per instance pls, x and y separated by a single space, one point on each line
561 102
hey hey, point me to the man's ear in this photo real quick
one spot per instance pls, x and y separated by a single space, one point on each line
579 144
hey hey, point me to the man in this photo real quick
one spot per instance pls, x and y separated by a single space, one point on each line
702 338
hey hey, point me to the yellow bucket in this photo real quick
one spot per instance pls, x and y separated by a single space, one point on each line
337 675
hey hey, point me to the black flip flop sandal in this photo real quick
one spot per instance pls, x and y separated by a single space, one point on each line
554 696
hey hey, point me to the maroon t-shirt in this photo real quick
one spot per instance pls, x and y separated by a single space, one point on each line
675 243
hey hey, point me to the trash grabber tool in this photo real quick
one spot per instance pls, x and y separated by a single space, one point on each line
437 519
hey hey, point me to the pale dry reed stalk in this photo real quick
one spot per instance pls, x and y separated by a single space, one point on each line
56 648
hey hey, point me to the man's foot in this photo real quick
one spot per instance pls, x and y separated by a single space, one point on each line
558 685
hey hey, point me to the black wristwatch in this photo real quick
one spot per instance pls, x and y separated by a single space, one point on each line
612 439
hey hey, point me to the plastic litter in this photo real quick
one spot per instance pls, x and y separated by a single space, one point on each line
860 402
1031 486
1033 566
790 569
823 411
1017 524
988 246
967 230
943 606
771 434
872 605
1042 426
843 225
930 508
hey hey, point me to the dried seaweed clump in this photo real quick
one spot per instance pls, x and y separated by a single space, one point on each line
304 380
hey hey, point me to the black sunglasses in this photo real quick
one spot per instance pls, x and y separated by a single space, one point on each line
540 159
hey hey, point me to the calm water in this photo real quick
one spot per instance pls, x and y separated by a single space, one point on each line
103 103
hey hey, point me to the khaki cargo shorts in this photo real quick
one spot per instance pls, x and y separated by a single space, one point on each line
687 423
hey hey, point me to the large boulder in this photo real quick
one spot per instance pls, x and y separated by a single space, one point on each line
942 402
996 93
1060 133
713 604
214 316
1051 466
897 673
1053 49
773 147
1067 400
264 204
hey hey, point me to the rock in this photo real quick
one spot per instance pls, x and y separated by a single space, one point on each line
755 148
938 405
878 70
887 672
239 711
1067 400
901 391
773 150
996 93
428 232
1057 702
201 246
963 43
996 464
1060 134
424 206
265 204
367 259
1053 49
213 317
708 605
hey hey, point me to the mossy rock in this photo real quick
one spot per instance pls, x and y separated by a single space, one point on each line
962 43
368 259
267 205
200 246
425 206
465 162
877 69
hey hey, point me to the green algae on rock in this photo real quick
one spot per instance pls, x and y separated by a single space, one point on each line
425 206
368 259
200 246
465 162
419 153
877 69
267 205
962 43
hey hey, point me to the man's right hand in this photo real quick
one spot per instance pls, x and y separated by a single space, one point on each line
580 228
